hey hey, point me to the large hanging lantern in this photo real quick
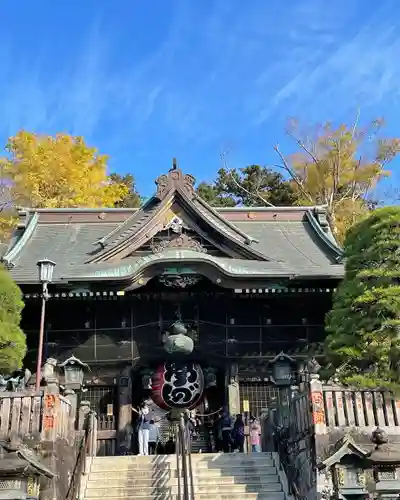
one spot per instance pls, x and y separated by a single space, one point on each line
178 385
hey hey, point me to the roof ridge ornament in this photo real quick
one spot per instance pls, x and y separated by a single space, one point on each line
175 180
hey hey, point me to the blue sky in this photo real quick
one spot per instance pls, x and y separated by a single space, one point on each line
148 80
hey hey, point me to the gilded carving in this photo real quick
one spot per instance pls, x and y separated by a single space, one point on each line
361 478
340 476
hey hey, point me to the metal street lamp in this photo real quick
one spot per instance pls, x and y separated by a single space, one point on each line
46 268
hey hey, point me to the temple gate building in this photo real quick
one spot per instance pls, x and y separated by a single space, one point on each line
189 305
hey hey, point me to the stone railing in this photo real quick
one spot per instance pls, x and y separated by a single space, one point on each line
44 422
20 414
337 407
39 416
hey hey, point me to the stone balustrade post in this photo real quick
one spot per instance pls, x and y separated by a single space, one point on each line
84 409
317 405
72 397
50 420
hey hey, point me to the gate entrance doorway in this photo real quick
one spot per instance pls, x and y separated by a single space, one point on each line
262 396
103 400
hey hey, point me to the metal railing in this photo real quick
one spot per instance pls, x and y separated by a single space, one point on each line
184 460
295 443
86 448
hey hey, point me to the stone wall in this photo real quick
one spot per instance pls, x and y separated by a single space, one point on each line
60 457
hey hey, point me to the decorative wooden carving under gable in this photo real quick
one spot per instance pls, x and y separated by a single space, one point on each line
178 241
175 180
175 191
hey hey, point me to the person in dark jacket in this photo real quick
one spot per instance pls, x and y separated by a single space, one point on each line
217 431
238 434
142 428
226 431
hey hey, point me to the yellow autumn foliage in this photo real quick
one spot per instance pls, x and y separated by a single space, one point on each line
339 167
59 171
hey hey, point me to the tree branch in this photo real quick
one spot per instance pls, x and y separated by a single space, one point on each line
249 193
303 146
291 173
356 122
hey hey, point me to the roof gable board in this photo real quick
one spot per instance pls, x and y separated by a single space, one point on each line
175 194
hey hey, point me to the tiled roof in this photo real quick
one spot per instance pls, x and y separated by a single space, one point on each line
292 246
271 242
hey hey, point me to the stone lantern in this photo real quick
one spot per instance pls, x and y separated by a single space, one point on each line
74 370
283 368
20 472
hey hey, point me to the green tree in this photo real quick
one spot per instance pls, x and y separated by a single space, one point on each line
12 338
363 341
132 198
249 186
211 194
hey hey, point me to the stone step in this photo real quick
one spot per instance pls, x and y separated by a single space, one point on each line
221 461
229 470
255 456
279 495
195 456
215 464
237 473
173 490
168 482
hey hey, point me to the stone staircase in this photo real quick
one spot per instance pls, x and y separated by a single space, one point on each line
215 477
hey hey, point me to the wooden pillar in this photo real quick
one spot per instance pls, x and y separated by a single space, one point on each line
125 408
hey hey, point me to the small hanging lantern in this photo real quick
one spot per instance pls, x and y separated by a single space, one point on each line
74 370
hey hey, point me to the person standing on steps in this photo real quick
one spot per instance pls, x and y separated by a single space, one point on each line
142 427
255 436
154 437
226 428
238 434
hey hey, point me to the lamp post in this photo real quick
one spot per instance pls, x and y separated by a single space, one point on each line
46 268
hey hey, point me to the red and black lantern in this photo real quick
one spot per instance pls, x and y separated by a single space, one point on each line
178 385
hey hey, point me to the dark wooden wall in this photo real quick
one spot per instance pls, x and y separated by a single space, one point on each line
123 329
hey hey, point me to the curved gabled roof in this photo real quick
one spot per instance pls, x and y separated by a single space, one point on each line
177 188
254 242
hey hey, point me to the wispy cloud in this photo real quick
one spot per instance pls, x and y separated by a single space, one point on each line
85 93
336 63
222 70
